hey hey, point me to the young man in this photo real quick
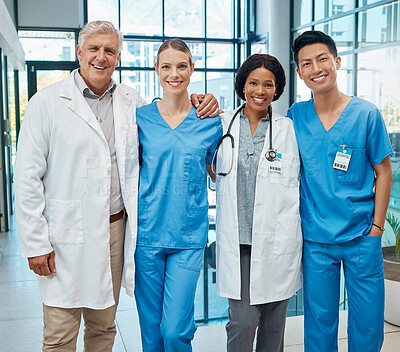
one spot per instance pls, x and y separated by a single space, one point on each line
345 189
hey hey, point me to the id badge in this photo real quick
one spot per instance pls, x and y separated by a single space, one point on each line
342 159
276 165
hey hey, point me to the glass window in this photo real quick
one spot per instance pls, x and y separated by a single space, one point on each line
221 84
378 82
302 92
367 2
219 55
341 30
301 12
48 45
145 82
197 50
377 25
345 75
141 17
260 47
139 53
184 18
106 10
197 82
219 19
328 8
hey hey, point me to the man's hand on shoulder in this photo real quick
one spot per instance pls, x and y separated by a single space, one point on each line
206 104
43 265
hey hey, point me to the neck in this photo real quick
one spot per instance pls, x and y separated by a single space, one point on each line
98 89
174 103
254 115
329 101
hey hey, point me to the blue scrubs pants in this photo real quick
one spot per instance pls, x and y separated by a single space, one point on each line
363 272
165 287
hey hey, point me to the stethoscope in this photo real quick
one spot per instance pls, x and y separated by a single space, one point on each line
270 155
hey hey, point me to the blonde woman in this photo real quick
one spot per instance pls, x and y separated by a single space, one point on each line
173 207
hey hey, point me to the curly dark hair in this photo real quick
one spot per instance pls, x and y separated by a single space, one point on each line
255 61
313 37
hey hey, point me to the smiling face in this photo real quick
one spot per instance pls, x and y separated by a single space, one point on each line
98 56
174 70
259 89
318 67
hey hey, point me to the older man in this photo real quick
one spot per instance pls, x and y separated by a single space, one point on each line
76 173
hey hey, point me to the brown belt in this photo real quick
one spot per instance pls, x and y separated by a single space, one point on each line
117 216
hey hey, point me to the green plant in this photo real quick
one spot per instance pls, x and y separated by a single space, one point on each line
394 223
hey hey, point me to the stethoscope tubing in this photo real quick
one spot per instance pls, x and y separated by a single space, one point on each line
270 155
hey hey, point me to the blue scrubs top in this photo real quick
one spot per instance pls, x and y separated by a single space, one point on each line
173 206
336 206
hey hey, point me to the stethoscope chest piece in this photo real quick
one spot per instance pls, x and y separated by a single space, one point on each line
270 155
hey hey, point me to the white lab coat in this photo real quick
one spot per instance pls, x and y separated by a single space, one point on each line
276 255
62 191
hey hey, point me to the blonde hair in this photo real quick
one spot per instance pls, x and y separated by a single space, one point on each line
177 44
95 27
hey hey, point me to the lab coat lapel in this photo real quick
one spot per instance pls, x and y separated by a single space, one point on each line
235 131
276 128
122 101
79 105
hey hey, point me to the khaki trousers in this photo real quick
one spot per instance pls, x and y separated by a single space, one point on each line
61 325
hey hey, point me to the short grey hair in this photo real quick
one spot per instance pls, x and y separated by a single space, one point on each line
95 27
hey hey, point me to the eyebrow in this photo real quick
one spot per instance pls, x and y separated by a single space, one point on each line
256 79
318 56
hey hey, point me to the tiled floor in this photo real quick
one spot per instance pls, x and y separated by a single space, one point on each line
21 316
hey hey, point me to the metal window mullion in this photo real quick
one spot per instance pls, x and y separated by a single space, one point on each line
85 11
17 110
163 19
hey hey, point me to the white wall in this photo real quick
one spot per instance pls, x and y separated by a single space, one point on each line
11 9
9 41
273 17
50 13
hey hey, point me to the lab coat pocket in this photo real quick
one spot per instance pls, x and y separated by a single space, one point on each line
284 172
356 170
65 221
288 238
195 166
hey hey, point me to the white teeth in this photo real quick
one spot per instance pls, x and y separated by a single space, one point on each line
174 84
258 100
318 79
99 67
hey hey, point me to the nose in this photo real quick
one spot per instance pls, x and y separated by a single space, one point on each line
101 54
315 67
174 72
261 89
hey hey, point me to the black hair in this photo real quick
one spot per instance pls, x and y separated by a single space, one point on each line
255 61
313 37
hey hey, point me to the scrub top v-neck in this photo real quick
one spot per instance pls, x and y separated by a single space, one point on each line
173 206
337 206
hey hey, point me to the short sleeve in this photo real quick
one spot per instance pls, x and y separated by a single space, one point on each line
217 137
378 142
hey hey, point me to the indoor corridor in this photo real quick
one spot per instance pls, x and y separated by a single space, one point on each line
21 315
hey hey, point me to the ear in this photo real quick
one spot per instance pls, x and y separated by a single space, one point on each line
338 62
192 68
156 68
299 73
78 52
118 58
